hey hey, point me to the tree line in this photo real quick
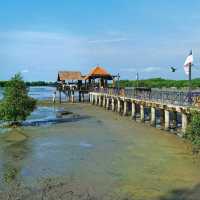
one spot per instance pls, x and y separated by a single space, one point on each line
159 83
32 83
151 83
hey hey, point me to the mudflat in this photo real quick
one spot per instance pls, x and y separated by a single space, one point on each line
98 154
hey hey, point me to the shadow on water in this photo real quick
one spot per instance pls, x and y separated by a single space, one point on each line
183 194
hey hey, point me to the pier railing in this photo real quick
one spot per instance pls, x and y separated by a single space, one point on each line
180 98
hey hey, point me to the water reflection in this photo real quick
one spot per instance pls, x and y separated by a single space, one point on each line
44 116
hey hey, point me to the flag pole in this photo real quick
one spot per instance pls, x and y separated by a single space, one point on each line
190 77
190 83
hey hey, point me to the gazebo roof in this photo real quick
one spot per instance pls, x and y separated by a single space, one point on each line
69 75
99 72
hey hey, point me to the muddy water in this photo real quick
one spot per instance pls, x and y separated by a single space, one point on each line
103 152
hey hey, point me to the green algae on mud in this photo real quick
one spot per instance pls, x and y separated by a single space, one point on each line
15 135
110 156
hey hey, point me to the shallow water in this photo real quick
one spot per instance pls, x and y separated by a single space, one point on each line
108 153
40 93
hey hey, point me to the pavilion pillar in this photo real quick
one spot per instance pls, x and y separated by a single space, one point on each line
113 104
82 97
97 99
100 100
79 96
72 98
104 101
107 103
93 99
125 107
60 96
118 105
90 97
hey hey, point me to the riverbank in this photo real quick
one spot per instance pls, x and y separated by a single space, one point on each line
101 156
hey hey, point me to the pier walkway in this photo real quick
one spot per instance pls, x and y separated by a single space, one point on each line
171 109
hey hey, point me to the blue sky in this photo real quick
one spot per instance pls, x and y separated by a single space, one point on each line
38 38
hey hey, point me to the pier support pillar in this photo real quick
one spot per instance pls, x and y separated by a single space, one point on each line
162 118
60 96
175 121
82 97
99 100
141 113
90 98
133 111
184 122
96 99
167 120
113 104
125 108
118 106
73 99
107 103
79 96
104 101
153 116
93 99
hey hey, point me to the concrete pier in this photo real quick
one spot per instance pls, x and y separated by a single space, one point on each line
142 113
167 120
133 110
153 116
162 118
121 105
184 122
175 120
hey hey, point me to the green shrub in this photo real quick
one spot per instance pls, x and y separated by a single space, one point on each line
193 129
16 104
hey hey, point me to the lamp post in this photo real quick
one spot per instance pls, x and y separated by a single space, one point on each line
118 77
137 78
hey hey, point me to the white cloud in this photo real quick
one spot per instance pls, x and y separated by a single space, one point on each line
24 71
108 40
151 69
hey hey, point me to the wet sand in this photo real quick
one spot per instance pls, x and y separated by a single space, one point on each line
100 156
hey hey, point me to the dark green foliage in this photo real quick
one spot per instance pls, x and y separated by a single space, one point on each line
16 104
34 83
193 129
41 83
159 83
